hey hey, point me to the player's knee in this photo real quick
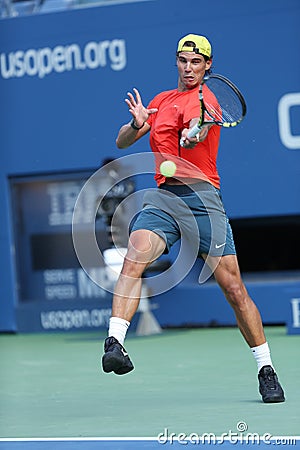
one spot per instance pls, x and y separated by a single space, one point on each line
144 248
236 294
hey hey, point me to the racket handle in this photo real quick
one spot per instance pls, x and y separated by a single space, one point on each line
194 131
191 133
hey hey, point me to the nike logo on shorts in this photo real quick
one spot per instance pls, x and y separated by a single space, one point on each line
220 245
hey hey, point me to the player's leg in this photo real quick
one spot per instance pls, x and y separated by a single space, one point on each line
144 247
217 242
228 276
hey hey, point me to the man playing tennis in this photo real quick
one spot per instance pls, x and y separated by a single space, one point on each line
168 118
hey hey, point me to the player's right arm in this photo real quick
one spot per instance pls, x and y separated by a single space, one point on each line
138 126
128 135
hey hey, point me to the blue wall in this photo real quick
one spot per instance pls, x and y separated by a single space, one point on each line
64 77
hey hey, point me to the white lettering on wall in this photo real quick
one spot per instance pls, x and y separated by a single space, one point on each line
65 284
63 197
43 61
296 312
285 104
87 288
66 320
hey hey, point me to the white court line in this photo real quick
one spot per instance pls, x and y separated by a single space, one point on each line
41 439
55 439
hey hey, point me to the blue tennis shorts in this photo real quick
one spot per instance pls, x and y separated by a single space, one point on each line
193 212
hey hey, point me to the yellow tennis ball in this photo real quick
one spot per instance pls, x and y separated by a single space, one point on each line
168 168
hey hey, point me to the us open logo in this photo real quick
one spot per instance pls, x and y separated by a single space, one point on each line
63 58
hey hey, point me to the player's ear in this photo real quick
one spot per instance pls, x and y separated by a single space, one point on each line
208 64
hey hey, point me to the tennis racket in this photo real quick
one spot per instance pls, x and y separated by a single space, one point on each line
221 103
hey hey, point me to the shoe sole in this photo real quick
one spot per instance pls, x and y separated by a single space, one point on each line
123 371
279 398
109 364
274 400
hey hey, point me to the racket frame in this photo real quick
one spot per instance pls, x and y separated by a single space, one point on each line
202 123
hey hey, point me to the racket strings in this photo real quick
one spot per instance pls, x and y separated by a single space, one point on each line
223 104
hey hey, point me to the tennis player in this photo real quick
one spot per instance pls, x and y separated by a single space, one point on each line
168 118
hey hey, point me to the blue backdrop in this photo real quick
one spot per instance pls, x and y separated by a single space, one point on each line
64 77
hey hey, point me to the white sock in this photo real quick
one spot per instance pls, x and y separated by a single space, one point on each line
118 328
262 355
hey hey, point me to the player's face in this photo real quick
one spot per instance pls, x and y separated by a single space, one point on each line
191 70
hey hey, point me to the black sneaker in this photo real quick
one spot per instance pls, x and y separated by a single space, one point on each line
269 386
115 358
